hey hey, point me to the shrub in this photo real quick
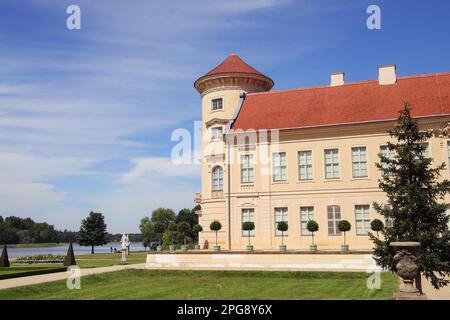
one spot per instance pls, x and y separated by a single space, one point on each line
344 226
283 227
215 226
312 227
377 225
248 226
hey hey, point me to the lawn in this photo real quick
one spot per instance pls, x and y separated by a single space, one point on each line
108 259
26 270
168 284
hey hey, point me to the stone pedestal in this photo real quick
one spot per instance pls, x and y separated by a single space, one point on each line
124 256
407 269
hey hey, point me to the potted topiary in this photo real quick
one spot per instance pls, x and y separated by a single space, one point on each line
283 227
344 226
249 227
196 229
215 226
184 228
377 225
172 227
312 227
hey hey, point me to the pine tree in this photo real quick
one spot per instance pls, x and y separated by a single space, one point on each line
92 231
416 209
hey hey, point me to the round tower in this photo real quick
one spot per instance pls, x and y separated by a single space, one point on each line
228 81
221 89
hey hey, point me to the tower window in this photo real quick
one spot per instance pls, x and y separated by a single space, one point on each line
217 104
216 133
217 179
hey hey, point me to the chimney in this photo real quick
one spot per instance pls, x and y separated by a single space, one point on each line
387 74
337 79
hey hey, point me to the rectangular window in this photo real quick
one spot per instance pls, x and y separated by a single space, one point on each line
426 152
390 154
332 164
248 215
362 213
281 214
359 162
247 169
306 214
279 166
305 169
216 133
388 222
217 104
334 216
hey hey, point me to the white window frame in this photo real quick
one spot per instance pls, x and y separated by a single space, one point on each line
390 154
359 162
334 219
248 215
305 165
247 169
334 164
388 222
218 135
362 219
279 166
215 108
306 214
217 179
284 214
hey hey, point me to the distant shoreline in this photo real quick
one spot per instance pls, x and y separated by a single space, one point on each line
36 245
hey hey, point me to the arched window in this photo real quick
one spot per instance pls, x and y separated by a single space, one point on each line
217 179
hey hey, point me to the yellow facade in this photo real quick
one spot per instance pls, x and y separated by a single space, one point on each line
264 197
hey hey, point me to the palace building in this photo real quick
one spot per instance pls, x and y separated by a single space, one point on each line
308 153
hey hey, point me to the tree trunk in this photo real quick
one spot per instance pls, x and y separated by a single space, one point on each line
344 239
282 238
312 235
92 249
216 238
249 238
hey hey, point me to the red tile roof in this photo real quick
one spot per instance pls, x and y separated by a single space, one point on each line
233 64
350 103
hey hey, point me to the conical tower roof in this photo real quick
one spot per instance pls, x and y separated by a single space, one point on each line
233 65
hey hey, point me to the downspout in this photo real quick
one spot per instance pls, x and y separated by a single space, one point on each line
227 137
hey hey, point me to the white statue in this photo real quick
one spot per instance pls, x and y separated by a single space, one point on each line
125 241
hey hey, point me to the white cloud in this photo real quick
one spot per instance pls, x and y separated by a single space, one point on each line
158 168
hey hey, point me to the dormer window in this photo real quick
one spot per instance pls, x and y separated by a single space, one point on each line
217 104
216 133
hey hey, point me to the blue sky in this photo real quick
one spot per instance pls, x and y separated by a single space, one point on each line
86 116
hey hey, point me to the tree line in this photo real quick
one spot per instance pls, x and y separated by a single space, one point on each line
167 228
16 230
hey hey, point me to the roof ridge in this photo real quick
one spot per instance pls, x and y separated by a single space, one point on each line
348 84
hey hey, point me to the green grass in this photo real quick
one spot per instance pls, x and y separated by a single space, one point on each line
166 284
26 270
108 259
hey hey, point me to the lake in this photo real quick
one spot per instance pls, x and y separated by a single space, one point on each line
62 250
